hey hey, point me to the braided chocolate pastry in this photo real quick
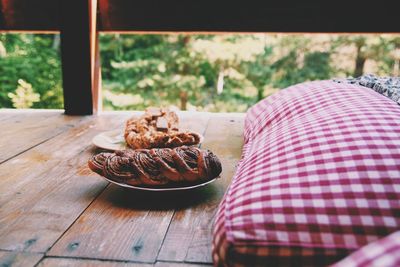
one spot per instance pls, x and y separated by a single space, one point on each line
157 128
158 166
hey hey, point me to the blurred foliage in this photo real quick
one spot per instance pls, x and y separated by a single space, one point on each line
221 73
35 59
24 96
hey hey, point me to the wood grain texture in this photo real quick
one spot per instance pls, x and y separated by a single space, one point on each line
45 189
175 264
125 224
23 130
120 225
189 235
6 114
19 259
51 201
65 262
68 262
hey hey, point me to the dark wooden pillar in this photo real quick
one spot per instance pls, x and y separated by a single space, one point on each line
76 29
2 21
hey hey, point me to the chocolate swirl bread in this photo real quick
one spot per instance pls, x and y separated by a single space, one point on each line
157 128
159 166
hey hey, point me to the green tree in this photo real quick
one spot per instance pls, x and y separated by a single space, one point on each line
34 59
259 71
374 48
206 72
300 61
165 71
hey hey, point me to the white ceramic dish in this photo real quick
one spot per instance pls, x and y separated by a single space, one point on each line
114 140
110 140
161 189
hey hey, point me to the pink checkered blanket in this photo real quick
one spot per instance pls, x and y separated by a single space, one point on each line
382 253
318 179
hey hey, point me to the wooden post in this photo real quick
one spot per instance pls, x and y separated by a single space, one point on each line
78 50
2 21
95 58
96 78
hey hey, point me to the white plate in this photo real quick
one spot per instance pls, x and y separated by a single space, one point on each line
160 189
114 140
110 140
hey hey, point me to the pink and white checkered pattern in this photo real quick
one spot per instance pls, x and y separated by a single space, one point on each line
319 178
382 253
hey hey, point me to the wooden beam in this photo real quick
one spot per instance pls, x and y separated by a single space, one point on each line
209 15
2 21
248 16
29 15
76 29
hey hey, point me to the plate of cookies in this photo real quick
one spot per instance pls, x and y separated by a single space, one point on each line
153 154
158 169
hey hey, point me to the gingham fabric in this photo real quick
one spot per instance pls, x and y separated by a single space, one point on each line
319 178
382 253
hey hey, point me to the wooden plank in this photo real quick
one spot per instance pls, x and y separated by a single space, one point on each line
118 226
189 235
29 15
225 137
44 190
65 262
19 259
39 160
23 130
176 264
7 114
96 72
249 16
178 15
124 224
76 58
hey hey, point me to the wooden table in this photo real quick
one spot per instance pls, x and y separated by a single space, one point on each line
55 212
